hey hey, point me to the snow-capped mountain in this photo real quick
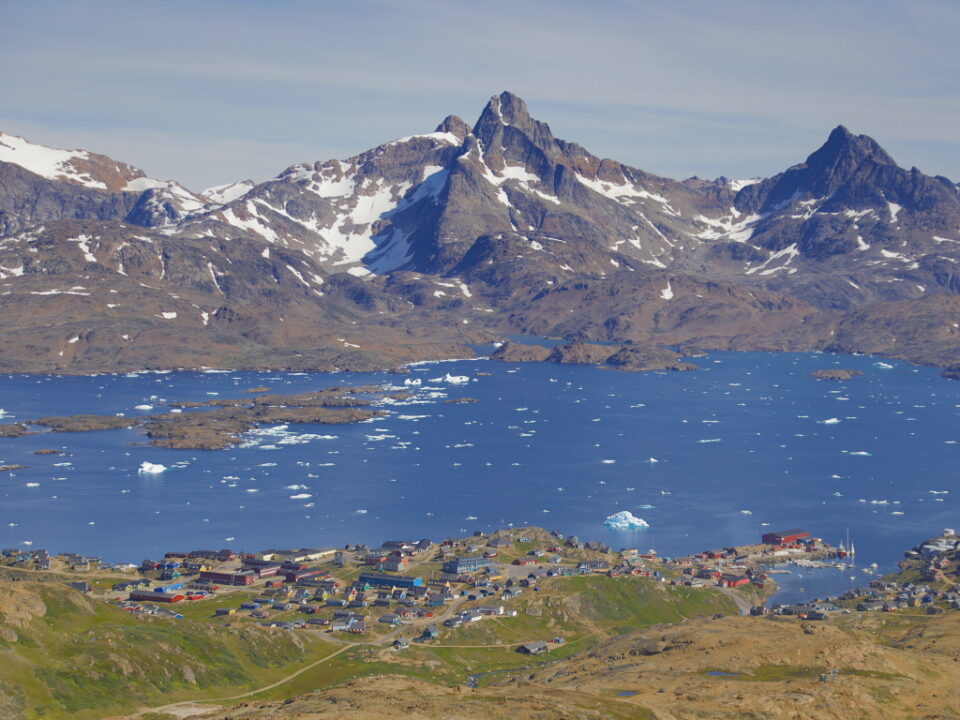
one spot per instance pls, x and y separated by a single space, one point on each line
501 226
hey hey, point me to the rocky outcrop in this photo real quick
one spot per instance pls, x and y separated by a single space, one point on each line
835 374
13 430
627 358
225 420
519 352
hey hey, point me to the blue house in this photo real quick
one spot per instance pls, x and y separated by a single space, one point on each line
397 581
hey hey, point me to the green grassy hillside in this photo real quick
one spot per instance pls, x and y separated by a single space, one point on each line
62 655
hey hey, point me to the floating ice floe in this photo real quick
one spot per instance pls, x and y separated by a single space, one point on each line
829 421
452 379
625 520
149 468
361 512
413 382
883 365
746 512
710 440
862 453
283 434
143 407
608 462
3 413
33 484
296 486
301 496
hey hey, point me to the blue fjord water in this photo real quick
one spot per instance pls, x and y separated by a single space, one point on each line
749 443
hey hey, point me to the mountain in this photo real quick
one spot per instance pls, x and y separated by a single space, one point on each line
468 232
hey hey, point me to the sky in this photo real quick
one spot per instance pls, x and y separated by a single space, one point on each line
217 91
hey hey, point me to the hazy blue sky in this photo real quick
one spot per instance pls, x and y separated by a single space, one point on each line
210 92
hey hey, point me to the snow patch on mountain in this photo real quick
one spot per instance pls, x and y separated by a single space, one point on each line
223 194
46 161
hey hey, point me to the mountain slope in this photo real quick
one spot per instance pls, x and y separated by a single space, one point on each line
468 232
88 296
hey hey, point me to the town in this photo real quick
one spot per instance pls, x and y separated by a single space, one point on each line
416 590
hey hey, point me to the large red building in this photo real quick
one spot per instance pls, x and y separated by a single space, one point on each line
243 577
786 537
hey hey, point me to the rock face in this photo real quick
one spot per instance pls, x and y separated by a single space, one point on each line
430 241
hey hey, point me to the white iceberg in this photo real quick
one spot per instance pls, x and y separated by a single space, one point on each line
300 496
149 468
456 379
625 520
143 407
412 382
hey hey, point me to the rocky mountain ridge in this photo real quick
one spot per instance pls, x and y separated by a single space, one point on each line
468 232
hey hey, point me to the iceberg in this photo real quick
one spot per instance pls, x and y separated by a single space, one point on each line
300 496
456 379
149 468
625 520
143 407
412 382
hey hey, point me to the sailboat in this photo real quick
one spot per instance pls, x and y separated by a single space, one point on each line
846 549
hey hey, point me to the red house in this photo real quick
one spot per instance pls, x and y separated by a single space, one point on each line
732 581
785 537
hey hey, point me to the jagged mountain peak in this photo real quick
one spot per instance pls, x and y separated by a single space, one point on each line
844 152
454 125
505 120
511 108
847 167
